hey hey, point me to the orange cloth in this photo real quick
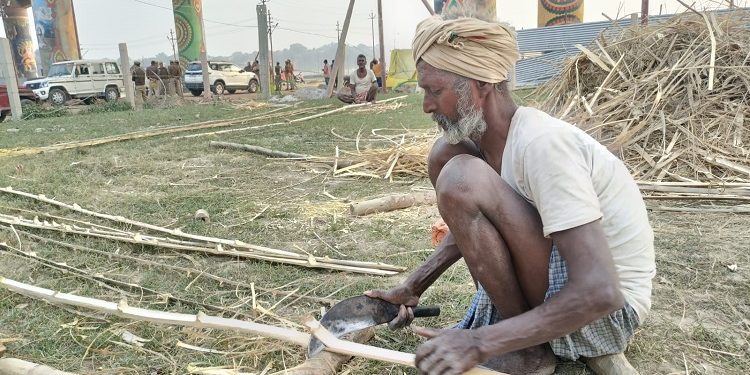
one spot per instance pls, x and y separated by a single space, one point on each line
377 70
439 231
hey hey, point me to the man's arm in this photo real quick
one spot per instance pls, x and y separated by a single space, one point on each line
592 292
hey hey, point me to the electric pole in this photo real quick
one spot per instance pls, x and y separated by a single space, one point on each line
338 32
382 45
172 40
372 26
644 12
270 35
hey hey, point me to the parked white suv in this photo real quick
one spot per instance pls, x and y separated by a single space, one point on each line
82 79
222 76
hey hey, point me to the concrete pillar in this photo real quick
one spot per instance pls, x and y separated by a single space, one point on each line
127 77
265 87
56 31
17 30
8 77
559 12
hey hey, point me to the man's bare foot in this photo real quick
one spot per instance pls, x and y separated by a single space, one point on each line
613 364
537 360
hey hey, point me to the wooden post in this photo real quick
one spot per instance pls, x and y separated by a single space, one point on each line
127 77
204 61
263 31
382 44
427 5
644 12
8 71
337 71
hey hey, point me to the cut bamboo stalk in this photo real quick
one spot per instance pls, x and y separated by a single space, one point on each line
703 210
272 254
187 271
14 366
328 363
695 190
392 202
370 352
202 320
344 108
279 154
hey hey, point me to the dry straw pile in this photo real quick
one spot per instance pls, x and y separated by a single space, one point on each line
672 98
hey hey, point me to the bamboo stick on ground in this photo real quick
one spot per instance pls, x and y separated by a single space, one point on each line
14 366
392 202
201 320
187 271
256 251
279 154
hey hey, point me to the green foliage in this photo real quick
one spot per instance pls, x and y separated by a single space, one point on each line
107 107
34 111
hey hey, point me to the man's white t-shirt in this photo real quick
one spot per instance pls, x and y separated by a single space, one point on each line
571 179
362 85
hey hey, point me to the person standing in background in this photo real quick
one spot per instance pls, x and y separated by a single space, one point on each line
326 72
378 70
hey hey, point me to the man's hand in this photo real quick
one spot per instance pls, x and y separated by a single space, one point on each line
448 352
399 295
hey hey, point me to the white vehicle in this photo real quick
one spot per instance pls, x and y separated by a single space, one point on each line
82 79
222 76
40 86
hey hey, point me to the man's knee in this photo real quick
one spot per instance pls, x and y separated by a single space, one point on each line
442 152
460 183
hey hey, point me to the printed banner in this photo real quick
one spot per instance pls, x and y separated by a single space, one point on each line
488 7
17 28
56 31
559 12
188 23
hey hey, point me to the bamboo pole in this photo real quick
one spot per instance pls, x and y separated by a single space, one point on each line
14 366
319 115
280 154
251 251
338 73
392 202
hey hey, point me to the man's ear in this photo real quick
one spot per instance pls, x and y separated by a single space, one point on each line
480 90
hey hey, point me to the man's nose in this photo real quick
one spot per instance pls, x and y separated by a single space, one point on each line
428 106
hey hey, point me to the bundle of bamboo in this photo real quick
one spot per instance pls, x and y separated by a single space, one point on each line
670 98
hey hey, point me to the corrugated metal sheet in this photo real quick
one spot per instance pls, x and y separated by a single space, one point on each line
555 44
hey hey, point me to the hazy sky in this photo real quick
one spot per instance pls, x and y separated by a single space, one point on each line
231 24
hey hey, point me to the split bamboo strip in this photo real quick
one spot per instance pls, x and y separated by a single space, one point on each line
202 320
120 286
279 154
199 320
14 366
139 239
130 136
379 354
344 108
293 258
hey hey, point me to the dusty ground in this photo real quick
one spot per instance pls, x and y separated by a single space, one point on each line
701 315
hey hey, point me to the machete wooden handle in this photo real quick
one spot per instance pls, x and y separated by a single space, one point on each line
426 311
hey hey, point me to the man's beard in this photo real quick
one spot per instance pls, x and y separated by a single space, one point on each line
470 124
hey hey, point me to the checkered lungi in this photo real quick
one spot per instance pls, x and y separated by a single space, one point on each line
608 335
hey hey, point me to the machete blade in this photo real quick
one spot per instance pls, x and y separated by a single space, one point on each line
353 314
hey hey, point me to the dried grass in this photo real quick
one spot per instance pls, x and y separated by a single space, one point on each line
653 96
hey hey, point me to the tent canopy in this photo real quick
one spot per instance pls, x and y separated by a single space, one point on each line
402 69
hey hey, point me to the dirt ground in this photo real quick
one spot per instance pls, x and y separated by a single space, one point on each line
700 322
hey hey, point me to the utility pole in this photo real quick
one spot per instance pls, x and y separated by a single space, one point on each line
382 45
372 26
271 26
644 12
265 87
337 71
8 71
172 39
338 32
339 78
127 78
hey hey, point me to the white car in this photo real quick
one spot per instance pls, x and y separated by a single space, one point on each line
40 86
82 79
222 76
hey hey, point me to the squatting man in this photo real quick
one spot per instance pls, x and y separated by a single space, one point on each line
550 224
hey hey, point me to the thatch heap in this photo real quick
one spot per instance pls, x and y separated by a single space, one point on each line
654 96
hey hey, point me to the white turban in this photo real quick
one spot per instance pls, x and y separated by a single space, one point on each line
472 48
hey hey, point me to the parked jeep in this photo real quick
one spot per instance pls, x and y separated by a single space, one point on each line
82 79
27 97
222 76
